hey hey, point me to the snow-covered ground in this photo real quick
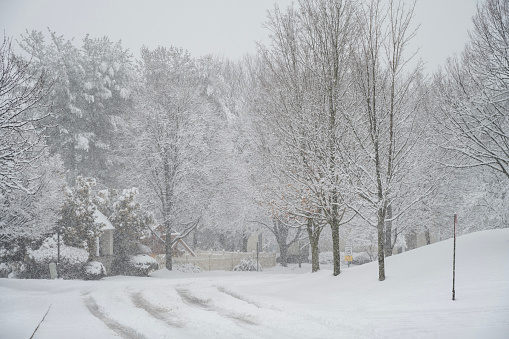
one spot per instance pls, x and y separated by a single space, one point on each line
414 301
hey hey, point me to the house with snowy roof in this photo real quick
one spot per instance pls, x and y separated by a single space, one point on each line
105 241
156 241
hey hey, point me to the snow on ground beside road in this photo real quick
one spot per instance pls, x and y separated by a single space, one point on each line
414 301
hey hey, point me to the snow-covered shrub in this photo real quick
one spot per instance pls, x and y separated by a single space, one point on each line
247 265
143 249
360 258
141 265
4 270
187 268
325 258
72 260
4 252
94 270
11 260
13 269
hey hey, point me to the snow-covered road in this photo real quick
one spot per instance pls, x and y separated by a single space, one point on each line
204 307
414 301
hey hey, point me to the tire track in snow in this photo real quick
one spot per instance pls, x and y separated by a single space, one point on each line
237 296
271 328
160 313
192 300
123 331
207 305
299 317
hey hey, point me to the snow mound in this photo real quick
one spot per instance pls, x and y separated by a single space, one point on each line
95 270
48 253
416 296
142 261
143 249
413 302
188 268
248 265
142 265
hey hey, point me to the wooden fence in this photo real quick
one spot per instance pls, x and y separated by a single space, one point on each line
210 261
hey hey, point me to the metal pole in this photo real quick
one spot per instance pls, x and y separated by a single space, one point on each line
257 261
454 259
58 252
258 250
300 255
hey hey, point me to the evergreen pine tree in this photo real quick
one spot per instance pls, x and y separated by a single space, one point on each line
77 221
129 220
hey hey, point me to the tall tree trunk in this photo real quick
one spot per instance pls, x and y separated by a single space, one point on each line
281 233
283 254
335 248
388 232
73 172
395 239
315 260
245 238
427 235
167 242
167 197
381 238
300 254
382 203
169 254
222 241
411 240
314 236
195 238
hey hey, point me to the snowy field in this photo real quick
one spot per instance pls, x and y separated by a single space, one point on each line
413 302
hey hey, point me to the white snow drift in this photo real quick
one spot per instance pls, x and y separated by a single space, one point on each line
414 301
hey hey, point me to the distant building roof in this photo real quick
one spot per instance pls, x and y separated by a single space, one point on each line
101 218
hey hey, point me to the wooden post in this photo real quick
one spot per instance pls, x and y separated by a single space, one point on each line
52 270
454 259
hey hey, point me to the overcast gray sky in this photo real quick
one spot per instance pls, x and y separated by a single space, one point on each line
221 27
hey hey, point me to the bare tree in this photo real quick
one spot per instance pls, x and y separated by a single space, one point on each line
473 94
22 91
305 86
33 213
172 142
329 33
234 206
384 126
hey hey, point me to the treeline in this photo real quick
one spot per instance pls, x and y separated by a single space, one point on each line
330 129
93 114
357 136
